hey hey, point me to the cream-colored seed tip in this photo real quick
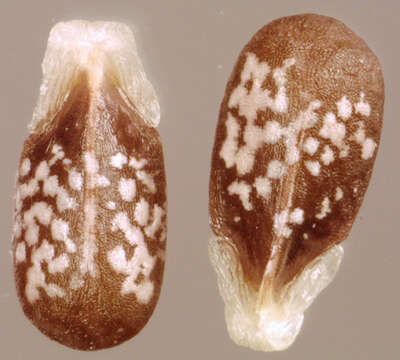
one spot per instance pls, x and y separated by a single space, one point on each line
90 204
295 144
98 46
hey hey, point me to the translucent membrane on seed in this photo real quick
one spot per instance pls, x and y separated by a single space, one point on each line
75 45
274 327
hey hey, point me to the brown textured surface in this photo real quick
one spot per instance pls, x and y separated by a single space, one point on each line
327 67
96 315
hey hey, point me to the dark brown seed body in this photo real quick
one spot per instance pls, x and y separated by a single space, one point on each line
90 216
297 137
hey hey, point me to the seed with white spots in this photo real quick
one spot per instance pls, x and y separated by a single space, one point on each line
295 134
90 202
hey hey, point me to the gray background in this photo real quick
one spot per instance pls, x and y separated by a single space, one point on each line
188 49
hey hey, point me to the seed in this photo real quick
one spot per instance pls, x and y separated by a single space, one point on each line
84 267
298 131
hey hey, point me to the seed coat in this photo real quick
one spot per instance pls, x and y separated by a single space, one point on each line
298 131
88 272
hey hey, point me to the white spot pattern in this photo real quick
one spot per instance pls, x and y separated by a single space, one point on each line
249 103
40 211
140 263
36 277
248 99
41 214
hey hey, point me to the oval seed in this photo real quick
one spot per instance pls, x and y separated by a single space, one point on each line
295 144
90 215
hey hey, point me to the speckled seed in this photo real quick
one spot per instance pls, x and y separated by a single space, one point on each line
90 215
295 144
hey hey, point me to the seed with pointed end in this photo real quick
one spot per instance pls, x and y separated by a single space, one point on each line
90 216
295 144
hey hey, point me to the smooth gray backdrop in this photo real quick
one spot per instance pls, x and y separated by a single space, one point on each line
188 49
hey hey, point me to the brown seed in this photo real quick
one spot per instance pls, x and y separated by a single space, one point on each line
295 144
90 216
